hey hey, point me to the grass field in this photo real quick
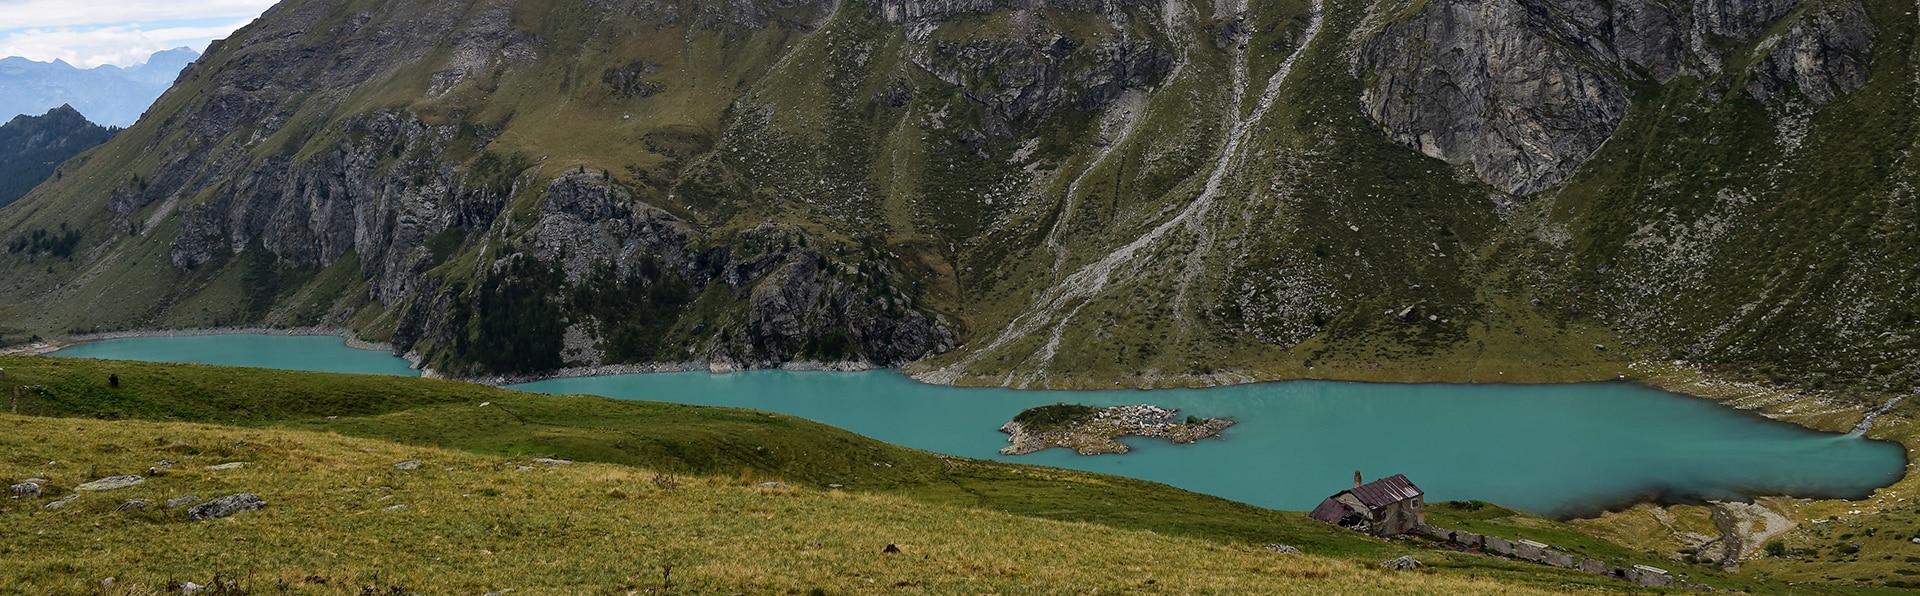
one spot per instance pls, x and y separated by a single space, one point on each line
342 519
327 442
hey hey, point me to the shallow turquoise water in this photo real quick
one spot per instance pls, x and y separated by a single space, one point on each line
314 353
1549 449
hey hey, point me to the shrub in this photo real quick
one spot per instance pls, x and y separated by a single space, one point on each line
1054 415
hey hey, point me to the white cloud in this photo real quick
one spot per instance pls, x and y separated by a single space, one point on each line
89 33
21 14
121 46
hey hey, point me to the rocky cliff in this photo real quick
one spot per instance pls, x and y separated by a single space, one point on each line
1028 193
1526 90
32 146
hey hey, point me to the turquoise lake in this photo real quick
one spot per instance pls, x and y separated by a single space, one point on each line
313 353
1550 449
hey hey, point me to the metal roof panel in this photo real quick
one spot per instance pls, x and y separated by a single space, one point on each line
1387 491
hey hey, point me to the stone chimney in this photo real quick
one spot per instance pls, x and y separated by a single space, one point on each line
1356 479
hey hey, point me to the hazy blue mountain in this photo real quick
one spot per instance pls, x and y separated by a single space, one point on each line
31 147
109 95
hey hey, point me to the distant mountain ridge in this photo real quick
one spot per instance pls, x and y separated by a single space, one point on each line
31 147
109 95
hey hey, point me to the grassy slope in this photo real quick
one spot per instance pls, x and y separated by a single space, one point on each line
742 446
472 523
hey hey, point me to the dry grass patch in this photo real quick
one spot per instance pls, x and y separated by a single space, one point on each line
342 518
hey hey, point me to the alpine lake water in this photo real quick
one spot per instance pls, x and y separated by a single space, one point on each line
1558 450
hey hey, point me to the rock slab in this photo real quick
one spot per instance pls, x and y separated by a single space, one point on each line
112 483
29 490
180 502
226 506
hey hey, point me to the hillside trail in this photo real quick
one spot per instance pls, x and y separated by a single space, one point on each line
1057 306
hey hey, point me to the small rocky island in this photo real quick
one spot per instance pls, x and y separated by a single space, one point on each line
1093 431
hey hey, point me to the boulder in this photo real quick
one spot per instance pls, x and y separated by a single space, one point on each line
133 505
180 502
1499 545
1559 559
1593 566
228 466
547 461
112 483
226 506
1530 550
29 490
1652 577
62 502
1467 539
408 465
1285 549
1404 563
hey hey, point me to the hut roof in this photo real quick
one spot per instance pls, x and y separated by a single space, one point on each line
1387 491
1329 511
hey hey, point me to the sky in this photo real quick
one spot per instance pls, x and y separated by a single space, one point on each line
89 33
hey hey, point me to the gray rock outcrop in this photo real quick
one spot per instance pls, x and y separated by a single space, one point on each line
112 483
226 507
178 502
907 10
1525 91
1493 84
29 490
1823 55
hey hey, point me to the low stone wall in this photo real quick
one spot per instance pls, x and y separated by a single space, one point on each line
1528 550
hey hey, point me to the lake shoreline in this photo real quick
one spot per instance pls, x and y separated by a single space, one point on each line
47 346
1673 377
1839 412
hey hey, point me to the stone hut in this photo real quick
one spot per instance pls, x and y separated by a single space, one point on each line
1389 506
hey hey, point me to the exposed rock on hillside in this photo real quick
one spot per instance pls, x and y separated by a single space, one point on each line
1042 193
1494 84
33 147
1823 54
1526 90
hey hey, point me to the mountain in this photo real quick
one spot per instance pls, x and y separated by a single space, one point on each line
31 147
1046 193
110 95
